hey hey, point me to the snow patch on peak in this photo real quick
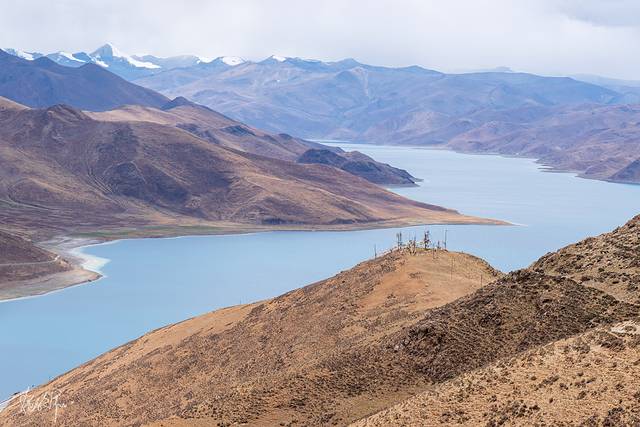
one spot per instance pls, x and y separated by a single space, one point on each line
100 63
69 56
140 64
21 54
109 51
116 52
204 59
278 58
232 60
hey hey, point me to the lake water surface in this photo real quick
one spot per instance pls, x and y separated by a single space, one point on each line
152 282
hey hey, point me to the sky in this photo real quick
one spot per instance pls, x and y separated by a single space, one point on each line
550 37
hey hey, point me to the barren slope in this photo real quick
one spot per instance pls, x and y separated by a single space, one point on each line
61 169
26 269
313 355
223 131
22 260
591 379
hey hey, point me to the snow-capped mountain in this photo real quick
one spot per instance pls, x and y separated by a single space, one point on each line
68 59
29 56
107 56
172 62
118 62
232 60
130 67
133 67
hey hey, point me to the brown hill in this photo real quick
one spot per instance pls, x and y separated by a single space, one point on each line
43 83
610 262
397 326
61 169
223 131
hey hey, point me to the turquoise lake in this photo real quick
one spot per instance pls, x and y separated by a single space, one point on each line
152 282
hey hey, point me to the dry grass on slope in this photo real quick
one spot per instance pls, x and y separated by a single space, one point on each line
518 312
610 262
588 379
314 355
592 379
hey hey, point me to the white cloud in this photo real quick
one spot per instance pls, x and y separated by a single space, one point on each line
542 36
623 13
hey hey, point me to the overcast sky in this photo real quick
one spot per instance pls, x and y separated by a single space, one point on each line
554 37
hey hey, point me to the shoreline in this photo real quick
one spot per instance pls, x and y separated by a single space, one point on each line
542 165
86 268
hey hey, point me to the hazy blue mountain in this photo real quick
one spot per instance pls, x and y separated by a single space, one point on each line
629 89
566 123
171 62
563 121
30 56
42 83
350 100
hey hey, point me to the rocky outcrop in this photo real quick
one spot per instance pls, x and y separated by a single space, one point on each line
358 164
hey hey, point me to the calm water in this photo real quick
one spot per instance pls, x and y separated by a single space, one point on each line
153 282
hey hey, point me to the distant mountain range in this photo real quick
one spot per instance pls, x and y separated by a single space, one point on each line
353 101
559 120
127 66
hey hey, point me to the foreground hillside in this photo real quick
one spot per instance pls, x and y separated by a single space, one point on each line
316 354
589 379
553 343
